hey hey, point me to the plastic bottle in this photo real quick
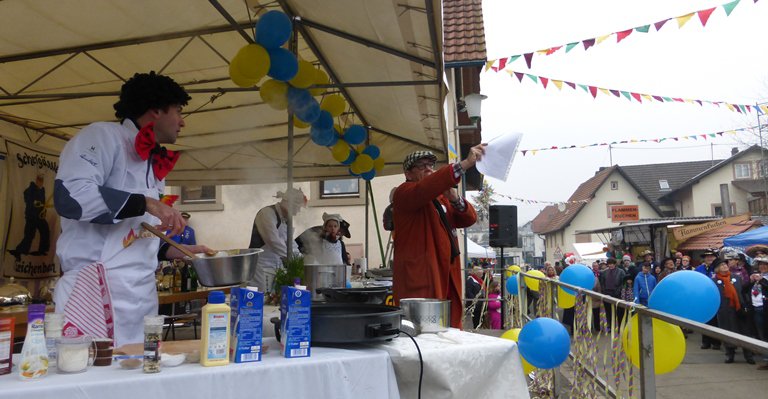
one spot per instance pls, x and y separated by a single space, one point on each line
215 331
54 323
34 354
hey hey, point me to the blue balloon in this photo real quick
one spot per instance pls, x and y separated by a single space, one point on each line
512 285
686 294
369 175
355 134
351 158
372 151
309 112
273 29
544 343
578 275
298 98
324 121
283 65
322 137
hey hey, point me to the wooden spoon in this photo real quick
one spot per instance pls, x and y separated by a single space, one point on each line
165 238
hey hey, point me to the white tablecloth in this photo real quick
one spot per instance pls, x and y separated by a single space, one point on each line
359 372
458 364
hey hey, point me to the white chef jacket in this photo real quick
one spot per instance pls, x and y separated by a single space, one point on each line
275 239
98 170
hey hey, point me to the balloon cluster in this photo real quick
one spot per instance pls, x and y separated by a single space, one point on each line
289 88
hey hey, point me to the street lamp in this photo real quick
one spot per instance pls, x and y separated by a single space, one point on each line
473 102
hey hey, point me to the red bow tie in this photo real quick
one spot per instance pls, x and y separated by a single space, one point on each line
162 160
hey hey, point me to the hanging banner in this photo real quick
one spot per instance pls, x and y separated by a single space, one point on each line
32 223
683 233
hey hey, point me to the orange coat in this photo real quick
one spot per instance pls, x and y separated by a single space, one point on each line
422 266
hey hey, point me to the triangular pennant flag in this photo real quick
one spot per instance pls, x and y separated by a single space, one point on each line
704 136
553 50
704 15
663 139
738 109
528 59
659 24
615 93
502 64
729 7
602 38
683 19
588 43
730 107
524 151
676 138
593 91
489 64
741 107
605 91
558 84
655 140
698 101
764 108
636 97
533 77
519 76
543 52
512 58
646 97
622 35
667 99
626 94
659 99
712 135
720 134
678 99
644 28
573 86
693 137
584 87
533 152
570 46
544 82
749 108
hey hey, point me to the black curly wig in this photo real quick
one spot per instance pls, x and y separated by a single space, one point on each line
145 91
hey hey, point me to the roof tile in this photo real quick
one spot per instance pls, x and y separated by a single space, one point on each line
463 31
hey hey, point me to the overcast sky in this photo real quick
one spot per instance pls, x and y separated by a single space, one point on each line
725 61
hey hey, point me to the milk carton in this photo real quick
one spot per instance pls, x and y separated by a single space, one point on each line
246 317
295 322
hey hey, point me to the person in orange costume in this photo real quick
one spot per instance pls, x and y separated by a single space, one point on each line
426 210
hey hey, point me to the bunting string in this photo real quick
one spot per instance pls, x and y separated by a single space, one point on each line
632 96
530 201
694 137
703 15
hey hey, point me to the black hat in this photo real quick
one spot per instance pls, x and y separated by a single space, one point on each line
185 215
709 251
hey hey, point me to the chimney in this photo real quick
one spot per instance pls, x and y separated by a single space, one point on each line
734 151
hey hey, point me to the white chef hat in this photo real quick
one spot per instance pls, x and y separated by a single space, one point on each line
332 216
293 196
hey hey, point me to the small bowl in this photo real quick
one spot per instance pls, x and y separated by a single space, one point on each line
172 360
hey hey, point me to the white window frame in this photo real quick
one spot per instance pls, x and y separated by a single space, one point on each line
737 167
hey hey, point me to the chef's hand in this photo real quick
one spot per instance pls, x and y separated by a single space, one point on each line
475 154
170 218
174 253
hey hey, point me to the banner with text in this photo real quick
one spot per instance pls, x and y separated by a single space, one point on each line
32 225
683 233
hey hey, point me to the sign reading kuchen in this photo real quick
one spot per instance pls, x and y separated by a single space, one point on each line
625 213
683 233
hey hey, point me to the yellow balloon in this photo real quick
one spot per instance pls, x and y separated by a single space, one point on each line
340 151
335 104
321 78
532 283
378 164
273 92
364 163
252 61
668 345
512 335
564 299
339 130
299 123
514 269
237 78
305 76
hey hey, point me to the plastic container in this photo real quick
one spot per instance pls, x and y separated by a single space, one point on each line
7 327
54 322
214 349
34 353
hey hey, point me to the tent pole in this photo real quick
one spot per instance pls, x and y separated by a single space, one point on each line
369 190
289 165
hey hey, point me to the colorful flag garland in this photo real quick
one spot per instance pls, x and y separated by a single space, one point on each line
630 95
530 201
703 16
703 136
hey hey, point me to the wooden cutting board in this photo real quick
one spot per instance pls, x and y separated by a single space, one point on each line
172 347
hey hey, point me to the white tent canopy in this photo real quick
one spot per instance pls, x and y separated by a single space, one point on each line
475 250
590 250
62 65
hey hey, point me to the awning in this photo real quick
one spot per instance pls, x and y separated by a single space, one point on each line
62 65
590 250
475 250
748 238
715 238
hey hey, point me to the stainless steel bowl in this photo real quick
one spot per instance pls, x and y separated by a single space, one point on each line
228 267
428 315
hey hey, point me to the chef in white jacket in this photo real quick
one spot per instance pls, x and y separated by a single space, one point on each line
109 181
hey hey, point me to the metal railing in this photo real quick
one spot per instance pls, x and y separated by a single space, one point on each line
645 335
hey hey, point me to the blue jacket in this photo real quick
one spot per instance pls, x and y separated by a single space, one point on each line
644 285
702 268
